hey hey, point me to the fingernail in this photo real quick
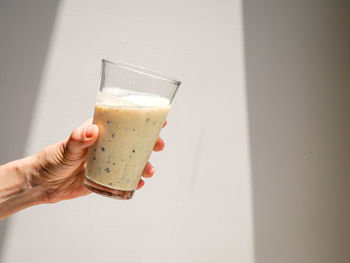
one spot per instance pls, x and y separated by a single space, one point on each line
89 131
152 170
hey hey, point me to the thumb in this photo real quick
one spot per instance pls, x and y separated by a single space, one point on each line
81 138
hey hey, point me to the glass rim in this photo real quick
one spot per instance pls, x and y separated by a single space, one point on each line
143 71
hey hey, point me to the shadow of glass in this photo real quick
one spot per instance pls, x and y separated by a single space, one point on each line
25 30
297 70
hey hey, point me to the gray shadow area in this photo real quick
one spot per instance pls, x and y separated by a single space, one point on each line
25 32
298 95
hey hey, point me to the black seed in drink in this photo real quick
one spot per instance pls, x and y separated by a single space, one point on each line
130 156
118 182
147 119
103 149
133 129
133 151
110 183
95 150
107 170
108 121
154 122
113 163
94 158
113 135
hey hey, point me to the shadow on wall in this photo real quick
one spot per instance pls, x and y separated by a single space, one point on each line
297 66
25 30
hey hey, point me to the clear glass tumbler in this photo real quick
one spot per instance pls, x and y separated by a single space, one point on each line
131 108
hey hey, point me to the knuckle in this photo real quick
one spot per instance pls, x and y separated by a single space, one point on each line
76 135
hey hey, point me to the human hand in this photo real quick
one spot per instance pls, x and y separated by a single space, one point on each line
61 166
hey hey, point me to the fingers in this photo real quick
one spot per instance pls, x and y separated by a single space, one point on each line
81 138
148 171
159 145
141 183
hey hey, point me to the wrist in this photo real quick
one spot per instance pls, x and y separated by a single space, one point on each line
34 185
17 187
14 177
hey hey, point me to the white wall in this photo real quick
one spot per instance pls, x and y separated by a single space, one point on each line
197 208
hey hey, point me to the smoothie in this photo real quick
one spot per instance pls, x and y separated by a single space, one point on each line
129 125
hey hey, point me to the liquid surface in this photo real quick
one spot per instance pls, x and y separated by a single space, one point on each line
129 125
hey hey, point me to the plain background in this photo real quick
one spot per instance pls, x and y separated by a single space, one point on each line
256 165
197 208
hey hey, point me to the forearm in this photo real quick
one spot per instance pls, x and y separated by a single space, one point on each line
16 190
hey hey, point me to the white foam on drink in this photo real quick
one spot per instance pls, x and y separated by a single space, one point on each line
120 97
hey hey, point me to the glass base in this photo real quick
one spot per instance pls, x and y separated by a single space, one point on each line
106 191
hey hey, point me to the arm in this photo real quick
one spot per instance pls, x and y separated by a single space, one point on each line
16 190
54 174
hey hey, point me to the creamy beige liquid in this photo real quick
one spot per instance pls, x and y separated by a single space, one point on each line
129 126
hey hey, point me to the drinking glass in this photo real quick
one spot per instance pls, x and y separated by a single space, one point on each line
131 107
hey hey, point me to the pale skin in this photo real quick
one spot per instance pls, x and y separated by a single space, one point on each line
54 174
